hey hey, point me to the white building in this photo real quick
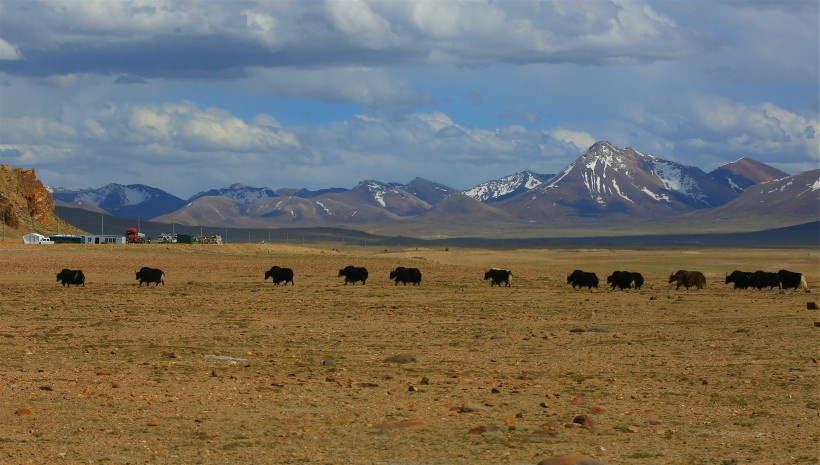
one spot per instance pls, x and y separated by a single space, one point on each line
34 238
103 239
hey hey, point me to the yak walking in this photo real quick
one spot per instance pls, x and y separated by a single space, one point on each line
688 279
68 277
498 276
278 275
150 275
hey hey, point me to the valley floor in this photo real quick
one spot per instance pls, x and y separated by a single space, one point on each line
220 366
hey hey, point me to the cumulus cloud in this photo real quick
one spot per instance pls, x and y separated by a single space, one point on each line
158 140
9 52
718 125
360 85
160 37
326 93
579 139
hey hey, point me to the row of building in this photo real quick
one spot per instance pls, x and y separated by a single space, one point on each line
34 238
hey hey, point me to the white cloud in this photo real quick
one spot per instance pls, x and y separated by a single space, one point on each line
714 127
357 21
360 85
9 51
581 140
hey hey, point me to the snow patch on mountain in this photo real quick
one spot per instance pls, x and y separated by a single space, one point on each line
659 197
239 193
674 178
618 191
377 190
324 208
505 186
125 195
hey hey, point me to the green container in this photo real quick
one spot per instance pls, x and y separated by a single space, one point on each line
185 239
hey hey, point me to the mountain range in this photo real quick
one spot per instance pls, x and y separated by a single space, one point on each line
606 186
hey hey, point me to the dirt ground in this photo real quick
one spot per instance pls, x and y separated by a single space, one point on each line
218 366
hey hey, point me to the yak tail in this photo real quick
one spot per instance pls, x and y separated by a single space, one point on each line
803 284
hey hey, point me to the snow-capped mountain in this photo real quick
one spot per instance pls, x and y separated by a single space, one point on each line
130 201
606 186
238 192
744 173
608 180
431 192
307 193
508 186
393 197
796 196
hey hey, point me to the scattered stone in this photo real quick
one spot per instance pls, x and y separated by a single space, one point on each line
169 354
597 330
578 400
811 305
632 429
23 411
412 388
598 409
469 408
424 380
495 391
817 324
46 388
519 415
585 421
152 423
552 425
577 330
481 429
401 425
402 358
367 384
571 460
327 362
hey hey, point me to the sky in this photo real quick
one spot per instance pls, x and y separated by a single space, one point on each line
188 96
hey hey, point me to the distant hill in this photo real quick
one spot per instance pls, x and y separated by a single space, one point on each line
239 193
787 200
606 189
507 186
130 201
27 206
608 183
802 235
744 173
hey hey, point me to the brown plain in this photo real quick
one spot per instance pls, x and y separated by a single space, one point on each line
220 366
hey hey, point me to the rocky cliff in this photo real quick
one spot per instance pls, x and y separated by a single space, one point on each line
26 205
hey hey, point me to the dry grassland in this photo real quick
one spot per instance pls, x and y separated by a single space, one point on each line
218 366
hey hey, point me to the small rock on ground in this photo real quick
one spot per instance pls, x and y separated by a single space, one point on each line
571 460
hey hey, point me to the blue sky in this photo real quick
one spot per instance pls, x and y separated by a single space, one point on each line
192 95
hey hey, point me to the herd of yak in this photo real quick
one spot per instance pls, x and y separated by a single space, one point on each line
783 279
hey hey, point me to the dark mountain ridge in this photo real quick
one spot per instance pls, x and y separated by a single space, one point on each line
606 185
